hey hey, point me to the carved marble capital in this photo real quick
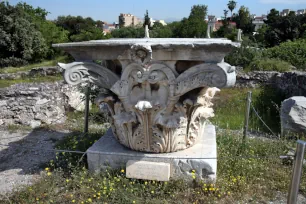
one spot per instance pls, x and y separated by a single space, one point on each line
152 107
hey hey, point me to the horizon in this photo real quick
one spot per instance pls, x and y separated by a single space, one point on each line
170 11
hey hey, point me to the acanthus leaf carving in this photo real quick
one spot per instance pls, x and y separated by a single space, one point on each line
152 110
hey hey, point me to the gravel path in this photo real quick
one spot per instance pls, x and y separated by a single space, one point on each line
19 163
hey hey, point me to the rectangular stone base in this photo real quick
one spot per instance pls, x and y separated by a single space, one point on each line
202 157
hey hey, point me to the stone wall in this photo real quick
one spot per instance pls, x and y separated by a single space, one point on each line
289 83
40 71
37 103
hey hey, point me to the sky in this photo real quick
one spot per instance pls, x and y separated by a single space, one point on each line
168 10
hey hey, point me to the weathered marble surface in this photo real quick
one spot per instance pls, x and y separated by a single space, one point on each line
293 115
158 90
157 171
202 157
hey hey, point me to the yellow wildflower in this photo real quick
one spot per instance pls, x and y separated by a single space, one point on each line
152 192
67 180
89 200
146 183
47 169
228 193
134 201
37 199
73 201
99 193
49 173
219 195
122 170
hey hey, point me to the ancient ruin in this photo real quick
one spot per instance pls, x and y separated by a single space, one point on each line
159 91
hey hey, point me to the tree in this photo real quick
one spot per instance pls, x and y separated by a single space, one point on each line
129 32
194 25
90 34
161 31
20 41
283 28
244 20
231 6
75 24
50 32
147 20
198 12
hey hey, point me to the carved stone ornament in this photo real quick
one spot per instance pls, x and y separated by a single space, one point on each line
152 107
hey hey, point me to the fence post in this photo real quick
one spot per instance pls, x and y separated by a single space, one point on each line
87 97
247 114
296 172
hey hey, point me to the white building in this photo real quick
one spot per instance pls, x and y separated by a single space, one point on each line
152 21
258 21
300 11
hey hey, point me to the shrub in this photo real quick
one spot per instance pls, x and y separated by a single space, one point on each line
292 52
242 56
269 65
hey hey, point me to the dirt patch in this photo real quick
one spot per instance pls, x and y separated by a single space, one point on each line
23 155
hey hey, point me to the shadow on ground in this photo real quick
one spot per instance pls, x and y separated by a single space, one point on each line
27 154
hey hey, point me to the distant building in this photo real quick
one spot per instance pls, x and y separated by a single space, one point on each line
152 21
285 12
215 24
258 21
108 28
301 12
126 20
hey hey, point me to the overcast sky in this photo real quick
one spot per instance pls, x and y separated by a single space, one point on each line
109 10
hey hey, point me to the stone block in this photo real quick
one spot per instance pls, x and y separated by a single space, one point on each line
293 115
158 171
202 157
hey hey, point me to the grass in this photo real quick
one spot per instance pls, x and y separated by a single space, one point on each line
230 107
248 170
7 82
239 179
8 70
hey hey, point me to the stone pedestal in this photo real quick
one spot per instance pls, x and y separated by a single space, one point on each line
201 157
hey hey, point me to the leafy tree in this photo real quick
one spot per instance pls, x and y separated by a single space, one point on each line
20 41
194 25
283 28
129 32
90 34
244 20
231 6
75 24
161 31
50 32
198 12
